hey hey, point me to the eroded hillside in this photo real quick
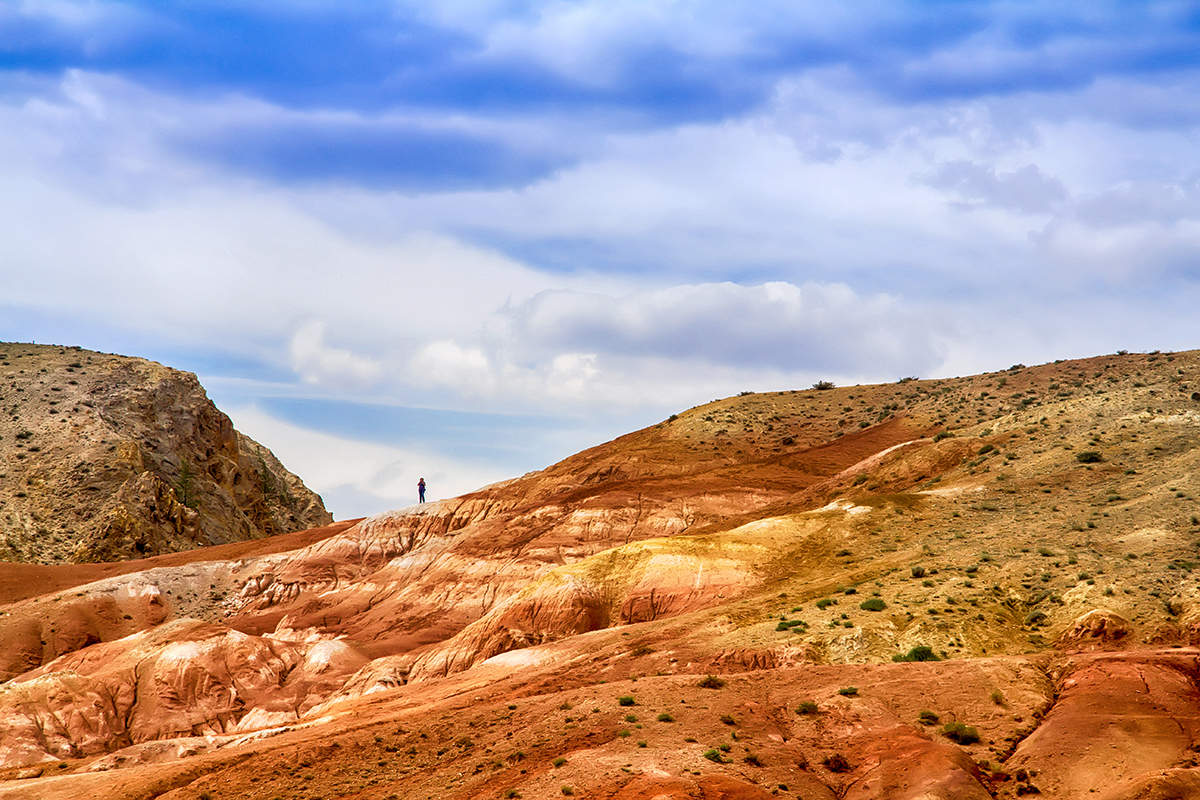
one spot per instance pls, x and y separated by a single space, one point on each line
105 457
975 587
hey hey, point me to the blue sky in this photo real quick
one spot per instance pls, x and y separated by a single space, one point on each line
463 240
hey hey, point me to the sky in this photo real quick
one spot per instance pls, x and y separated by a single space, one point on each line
462 240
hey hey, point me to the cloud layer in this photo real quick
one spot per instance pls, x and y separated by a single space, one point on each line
593 211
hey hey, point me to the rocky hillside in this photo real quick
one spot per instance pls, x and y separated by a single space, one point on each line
979 587
104 457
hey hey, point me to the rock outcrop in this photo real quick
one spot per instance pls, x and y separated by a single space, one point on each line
105 457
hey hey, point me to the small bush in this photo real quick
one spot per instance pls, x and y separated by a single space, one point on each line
918 572
836 763
558 762
626 700
825 602
1088 457
960 733
848 691
807 707
987 448
919 653
567 790
752 760
873 604
665 717
997 697
727 720
714 755
928 718
943 435
823 385
711 682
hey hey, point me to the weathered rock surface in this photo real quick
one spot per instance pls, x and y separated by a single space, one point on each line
183 678
105 457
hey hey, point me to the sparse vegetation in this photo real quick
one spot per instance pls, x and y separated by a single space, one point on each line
836 763
919 653
960 733
711 682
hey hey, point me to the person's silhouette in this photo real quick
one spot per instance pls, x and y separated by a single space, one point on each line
421 489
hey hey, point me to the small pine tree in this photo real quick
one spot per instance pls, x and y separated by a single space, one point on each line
185 484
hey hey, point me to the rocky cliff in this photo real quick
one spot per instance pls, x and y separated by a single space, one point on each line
105 457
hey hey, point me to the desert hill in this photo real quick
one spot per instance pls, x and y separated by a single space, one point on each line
105 457
979 587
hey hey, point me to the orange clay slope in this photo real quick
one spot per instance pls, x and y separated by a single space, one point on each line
974 587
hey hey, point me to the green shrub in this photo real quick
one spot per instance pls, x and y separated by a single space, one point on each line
960 733
873 604
558 762
849 691
927 718
715 756
943 435
918 571
1088 457
806 707
626 700
711 682
665 717
825 602
919 653
823 385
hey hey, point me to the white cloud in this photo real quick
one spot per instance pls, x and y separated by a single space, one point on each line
316 362
1025 189
444 363
774 325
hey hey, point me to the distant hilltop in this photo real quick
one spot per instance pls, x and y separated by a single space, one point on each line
106 457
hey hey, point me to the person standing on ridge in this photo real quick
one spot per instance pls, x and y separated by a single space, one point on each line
421 489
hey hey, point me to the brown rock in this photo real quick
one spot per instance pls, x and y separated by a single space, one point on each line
106 457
